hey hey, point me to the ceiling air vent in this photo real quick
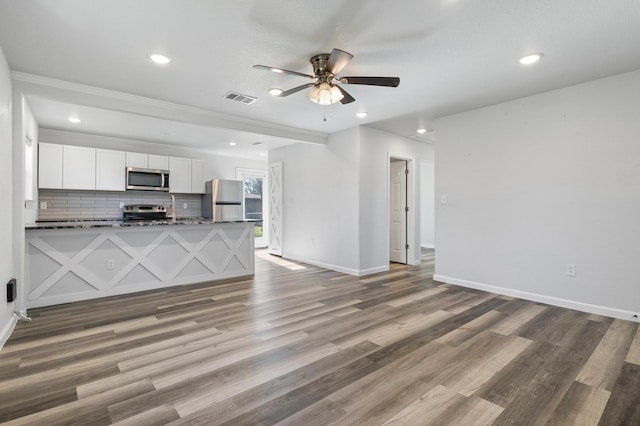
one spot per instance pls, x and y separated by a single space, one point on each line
245 99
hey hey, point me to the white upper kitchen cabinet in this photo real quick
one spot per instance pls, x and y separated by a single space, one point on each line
49 166
160 162
110 170
179 175
136 159
79 167
197 176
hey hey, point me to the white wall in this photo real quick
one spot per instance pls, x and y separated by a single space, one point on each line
376 147
336 199
541 182
320 185
23 124
427 204
29 126
215 167
7 321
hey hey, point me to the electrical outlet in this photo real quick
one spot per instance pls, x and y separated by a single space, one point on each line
12 290
443 199
43 205
184 206
571 270
111 264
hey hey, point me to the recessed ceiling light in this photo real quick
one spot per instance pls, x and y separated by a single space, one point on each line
262 154
361 114
531 59
232 144
275 91
278 70
421 131
159 58
74 119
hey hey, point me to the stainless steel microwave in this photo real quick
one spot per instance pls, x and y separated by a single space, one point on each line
147 179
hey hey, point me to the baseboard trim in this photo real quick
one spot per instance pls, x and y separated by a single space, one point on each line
550 300
7 330
342 269
373 270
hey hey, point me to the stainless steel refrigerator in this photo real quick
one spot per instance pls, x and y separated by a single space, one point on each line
223 200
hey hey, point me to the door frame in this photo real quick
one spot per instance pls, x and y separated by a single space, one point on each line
398 213
276 208
241 173
413 255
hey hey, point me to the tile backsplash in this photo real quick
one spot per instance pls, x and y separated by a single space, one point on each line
69 205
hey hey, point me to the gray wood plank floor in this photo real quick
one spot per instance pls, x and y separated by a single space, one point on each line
301 345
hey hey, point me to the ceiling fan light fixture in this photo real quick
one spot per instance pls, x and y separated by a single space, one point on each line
325 94
274 91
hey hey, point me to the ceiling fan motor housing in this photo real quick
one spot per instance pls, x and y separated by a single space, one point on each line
319 63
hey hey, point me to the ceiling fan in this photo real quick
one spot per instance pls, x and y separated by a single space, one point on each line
324 90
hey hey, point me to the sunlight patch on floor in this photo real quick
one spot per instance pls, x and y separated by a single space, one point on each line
279 261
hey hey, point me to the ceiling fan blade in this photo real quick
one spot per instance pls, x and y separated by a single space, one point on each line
347 97
295 89
372 81
281 71
337 60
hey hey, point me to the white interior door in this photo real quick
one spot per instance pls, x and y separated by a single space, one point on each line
255 207
275 208
397 211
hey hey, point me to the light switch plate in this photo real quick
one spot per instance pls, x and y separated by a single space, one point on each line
43 205
443 199
571 270
184 205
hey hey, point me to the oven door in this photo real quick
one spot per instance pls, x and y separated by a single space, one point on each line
147 179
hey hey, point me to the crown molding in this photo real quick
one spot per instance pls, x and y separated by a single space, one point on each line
90 95
147 146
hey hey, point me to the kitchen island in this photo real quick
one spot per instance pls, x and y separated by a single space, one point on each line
80 260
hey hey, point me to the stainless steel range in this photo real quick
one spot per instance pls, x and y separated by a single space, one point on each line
144 212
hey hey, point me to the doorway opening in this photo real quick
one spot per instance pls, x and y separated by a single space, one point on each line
255 208
400 212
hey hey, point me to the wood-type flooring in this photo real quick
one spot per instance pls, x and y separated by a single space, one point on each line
300 345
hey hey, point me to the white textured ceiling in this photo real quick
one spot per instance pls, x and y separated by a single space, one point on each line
451 56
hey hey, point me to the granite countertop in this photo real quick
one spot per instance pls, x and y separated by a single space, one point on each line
111 223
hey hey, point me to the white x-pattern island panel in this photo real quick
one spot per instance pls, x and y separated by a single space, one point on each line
68 265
